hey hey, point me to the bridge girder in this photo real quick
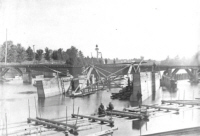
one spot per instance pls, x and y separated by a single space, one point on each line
110 67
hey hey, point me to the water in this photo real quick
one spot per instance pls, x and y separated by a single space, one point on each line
14 96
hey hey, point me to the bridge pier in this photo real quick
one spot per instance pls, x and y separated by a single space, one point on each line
153 81
27 76
136 85
193 75
195 78
168 78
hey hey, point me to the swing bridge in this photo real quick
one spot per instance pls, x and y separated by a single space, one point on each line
109 72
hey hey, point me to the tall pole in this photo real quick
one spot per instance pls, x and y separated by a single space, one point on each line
66 117
6 125
36 108
73 105
6 49
28 109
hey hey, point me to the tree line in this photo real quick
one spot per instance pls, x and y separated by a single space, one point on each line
193 60
72 56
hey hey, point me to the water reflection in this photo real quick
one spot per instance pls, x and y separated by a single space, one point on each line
153 95
137 124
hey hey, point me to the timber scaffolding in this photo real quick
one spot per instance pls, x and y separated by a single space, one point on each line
161 107
88 86
94 119
130 115
106 78
52 124
67 128
183 102
73 127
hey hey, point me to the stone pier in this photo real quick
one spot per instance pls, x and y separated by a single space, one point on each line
168 82
153 81
141 85
168 78
27 76
136 86
195 78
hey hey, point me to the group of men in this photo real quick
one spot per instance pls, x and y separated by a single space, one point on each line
101 109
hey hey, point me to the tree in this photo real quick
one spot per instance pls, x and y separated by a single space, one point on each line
80 54
11 52
72 53
38 55
30 54
81 58
47 54
21 53
54 55
65 55
60 55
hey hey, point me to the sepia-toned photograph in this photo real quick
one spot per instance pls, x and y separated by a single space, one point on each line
99 68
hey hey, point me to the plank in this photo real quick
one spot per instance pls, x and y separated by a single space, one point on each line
94 118
160 107
182 102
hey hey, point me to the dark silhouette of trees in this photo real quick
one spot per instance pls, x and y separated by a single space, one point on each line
72 56
54 55
47 54
60 54
30 54
73 53
81 58
15 53
38 55
11 52
21 53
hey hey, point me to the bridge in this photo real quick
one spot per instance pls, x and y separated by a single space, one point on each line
170 71
112 67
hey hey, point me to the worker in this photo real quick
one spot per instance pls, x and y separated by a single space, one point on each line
139 98
101 109
110 106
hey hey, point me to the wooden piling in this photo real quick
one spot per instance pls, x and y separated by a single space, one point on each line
35 107
73 105
66 117
6 125
28 109
77 116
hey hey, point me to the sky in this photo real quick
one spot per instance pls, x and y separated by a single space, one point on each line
122 29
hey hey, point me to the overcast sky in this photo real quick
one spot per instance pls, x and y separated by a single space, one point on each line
122 28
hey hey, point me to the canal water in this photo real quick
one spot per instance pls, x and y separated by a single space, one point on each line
14 97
